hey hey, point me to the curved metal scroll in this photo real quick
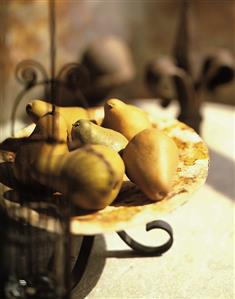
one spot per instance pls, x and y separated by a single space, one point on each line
149 250
27 72
30 74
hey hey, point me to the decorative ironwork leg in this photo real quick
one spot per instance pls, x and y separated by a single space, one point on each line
80 264
150 250
82 260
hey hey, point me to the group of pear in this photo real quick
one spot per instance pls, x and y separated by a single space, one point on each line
74 152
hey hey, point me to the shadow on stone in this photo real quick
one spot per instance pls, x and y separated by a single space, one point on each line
221 174
122 254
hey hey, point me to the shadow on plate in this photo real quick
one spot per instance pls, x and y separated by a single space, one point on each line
131 195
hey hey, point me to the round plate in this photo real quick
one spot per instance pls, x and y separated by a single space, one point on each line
131 207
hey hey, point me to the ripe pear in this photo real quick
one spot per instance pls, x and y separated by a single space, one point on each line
124 118
86 132
151 160
49 126
38 108
90 176
29 153
46 167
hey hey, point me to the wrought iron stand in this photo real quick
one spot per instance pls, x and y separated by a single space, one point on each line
143 250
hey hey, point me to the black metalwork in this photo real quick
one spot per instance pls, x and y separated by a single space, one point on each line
80 265
82 260
189 102
52 29
149 250
31 74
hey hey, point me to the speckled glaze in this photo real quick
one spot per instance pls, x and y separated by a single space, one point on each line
132 207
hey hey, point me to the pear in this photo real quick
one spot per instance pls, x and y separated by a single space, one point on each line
29 153
90 176
124 118
38 108
50 126
47 165
151 160
87 132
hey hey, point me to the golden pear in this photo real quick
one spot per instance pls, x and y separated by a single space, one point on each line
124 118
38 108
90 176
46 167
151 160
29 153
49 126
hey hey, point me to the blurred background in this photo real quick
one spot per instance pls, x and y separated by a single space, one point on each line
143 31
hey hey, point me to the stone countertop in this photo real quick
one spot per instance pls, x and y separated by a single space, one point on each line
201 262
